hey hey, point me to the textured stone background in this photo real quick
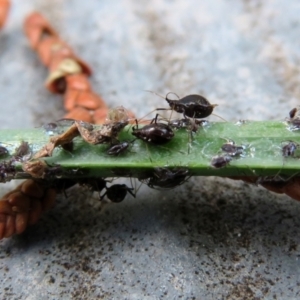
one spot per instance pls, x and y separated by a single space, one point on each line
211 238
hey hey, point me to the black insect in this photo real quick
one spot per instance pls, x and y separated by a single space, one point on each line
218 162
117 192
7 169
293 112
233 150
167 178
119 148
53 171
3 151
294 119
289 149
192 106
23 152
154 133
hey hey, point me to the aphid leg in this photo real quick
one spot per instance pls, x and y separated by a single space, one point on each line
142 118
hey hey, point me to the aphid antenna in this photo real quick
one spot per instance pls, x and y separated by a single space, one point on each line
166 97
173 94
156 94
218 115
152 111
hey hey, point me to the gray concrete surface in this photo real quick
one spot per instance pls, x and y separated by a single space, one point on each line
211 238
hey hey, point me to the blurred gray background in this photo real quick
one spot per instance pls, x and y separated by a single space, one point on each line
211 238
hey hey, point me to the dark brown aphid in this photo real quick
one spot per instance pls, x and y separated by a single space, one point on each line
119 148
117 192
192 106
167 178
231 149
7 169
294 119
218 162
3 151
53 171
289 149
23 152
293 112
154 133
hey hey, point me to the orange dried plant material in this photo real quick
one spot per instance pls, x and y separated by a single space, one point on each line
4 9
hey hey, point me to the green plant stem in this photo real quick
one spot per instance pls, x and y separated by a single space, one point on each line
262 156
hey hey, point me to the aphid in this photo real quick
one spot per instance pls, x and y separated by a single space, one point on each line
53 171
3 151
7 170
289 149
167 178
193 106
293 112
117 192
231 149
154 133
294 119
23 152
119 148
218 162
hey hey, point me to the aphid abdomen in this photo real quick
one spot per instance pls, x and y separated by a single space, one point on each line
156 133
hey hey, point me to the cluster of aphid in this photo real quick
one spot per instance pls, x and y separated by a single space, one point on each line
231 151
158 132
68 76
7 167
